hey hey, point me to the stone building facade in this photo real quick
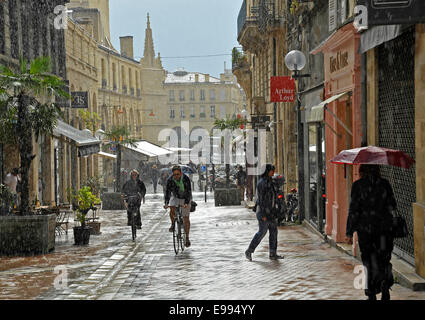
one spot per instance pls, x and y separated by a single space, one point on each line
27 30
194 100
262 34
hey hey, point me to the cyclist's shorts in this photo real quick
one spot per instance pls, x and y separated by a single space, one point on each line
174 202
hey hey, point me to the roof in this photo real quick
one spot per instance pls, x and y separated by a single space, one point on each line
182 76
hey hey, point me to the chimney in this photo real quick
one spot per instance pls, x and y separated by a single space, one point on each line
196 77
127 46
207 78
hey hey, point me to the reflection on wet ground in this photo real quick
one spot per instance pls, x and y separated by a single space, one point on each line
214 267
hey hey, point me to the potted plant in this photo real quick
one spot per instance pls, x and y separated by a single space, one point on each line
85 200
94 184
6 199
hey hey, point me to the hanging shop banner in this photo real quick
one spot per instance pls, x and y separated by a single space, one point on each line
80 100
387 12
282 89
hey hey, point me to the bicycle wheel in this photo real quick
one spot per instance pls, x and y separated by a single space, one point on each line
133 226
175 236
182 234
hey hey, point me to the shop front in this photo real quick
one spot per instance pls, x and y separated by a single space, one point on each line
340 115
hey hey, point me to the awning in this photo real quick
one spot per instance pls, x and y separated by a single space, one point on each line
106 155
84 151
377 35
80 137
84 140
317 113
149 149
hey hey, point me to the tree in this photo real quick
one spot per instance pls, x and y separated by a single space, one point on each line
23 112
91 120
229 124
119 136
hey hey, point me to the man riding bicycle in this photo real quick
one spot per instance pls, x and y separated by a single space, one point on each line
179 193
132 187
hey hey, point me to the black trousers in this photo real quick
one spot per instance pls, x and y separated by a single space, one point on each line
138 218
376 252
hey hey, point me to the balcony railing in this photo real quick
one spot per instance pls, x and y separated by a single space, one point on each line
264 14
243 17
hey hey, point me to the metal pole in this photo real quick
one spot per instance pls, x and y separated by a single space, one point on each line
319 162
300 155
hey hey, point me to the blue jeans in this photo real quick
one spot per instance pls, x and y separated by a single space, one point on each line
271 226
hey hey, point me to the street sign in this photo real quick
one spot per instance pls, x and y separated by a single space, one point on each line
282 89
80 100
259 121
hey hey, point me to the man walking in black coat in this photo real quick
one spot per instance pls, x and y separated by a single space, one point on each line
266 214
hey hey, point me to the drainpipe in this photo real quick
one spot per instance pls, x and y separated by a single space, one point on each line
363 106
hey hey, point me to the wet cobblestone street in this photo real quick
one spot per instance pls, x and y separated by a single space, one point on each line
214 267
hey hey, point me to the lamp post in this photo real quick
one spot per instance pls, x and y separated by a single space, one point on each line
296 61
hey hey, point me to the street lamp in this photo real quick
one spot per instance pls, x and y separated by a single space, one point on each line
296 61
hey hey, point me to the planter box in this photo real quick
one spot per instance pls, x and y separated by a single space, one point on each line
95 228
227 197
27 235
112 201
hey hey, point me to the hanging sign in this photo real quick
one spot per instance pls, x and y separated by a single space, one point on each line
390 12
282 89
80 100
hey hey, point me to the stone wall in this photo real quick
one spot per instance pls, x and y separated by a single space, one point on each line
27 235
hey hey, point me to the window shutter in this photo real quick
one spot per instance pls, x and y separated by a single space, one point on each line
343 14
332 15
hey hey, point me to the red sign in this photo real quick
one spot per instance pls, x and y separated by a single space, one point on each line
282 89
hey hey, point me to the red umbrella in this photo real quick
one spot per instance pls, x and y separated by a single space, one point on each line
374 155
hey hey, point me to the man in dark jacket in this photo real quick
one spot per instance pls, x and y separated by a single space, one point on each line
132 187
266 215
179 193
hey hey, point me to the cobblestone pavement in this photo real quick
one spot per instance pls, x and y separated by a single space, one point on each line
214 267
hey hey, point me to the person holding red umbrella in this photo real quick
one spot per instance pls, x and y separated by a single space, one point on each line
370 215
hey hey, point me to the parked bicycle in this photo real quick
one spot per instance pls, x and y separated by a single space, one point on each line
292 205
132 203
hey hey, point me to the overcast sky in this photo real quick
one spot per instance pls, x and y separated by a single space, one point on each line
180 28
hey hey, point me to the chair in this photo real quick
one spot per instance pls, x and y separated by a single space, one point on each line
62 221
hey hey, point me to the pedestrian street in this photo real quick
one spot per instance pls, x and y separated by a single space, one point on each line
214 267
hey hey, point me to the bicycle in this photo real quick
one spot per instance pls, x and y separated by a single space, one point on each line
179 235
132 205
